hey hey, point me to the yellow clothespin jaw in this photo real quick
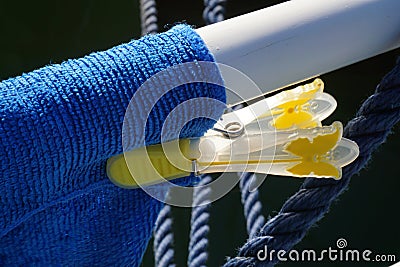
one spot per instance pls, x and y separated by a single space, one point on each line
318 152
302 107
279 135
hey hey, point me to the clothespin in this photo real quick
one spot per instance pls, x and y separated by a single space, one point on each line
280 135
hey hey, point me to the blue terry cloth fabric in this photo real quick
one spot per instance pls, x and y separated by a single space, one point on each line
58 126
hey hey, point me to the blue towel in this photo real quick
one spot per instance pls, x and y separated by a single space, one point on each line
59 125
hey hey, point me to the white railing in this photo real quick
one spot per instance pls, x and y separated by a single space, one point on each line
300 39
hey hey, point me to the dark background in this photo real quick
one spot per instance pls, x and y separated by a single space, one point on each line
37 33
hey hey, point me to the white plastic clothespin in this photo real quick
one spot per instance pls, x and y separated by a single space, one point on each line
279 135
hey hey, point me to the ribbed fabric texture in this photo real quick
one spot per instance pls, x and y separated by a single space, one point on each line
59 125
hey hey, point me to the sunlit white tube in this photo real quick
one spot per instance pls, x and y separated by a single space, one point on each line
300 39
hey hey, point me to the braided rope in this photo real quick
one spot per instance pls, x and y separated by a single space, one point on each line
214 11
370 128
163 239
163 235
252 207
148 16
198 243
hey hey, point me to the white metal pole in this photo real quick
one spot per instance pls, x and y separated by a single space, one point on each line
300 39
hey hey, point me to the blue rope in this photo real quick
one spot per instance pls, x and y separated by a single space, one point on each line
370 128
252 207
198 243
163 235
148 16
214 11
164 239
